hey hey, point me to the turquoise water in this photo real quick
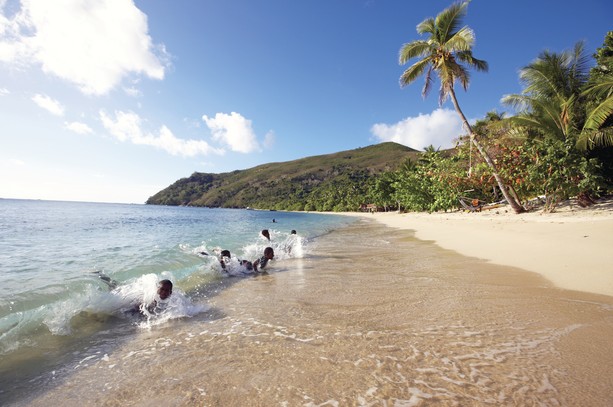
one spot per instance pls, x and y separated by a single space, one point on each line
52 255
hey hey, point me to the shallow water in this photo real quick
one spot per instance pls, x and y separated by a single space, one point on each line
72 272
380 321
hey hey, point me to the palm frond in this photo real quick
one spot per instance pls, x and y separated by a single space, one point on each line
589 139
449 20
556 74
524 121
427 83
579 66
520 103
427 26
413 72
600 87
463 40
459 73
468 58
412 50
599 114
540 77
545 116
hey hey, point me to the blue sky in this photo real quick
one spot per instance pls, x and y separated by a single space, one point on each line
114 100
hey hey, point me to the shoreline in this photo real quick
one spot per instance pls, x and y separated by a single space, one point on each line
570 247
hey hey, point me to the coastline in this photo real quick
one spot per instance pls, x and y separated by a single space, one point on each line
570 247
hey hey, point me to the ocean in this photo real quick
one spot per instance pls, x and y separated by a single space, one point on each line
349 313
72 272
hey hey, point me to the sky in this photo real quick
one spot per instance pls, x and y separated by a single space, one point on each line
114 100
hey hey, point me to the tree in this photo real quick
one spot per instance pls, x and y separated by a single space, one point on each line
556 111
550 104
443 53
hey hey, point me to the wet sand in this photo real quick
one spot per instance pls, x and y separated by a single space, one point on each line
378 321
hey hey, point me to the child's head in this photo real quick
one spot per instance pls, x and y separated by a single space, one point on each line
266 234
164 289
269 253
225 253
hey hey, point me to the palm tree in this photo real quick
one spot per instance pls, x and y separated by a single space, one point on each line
443 53
550 103
560 102
560 99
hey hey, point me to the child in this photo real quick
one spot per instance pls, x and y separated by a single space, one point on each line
227 255
262 262
164 292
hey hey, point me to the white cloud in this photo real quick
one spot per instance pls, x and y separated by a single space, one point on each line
233 130
127 126
93 44
4 91
78 127
49 104
439 129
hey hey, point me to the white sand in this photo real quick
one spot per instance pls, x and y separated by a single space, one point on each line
572 247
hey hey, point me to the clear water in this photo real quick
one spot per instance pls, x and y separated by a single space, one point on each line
52 255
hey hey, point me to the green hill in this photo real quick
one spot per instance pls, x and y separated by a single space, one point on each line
336 181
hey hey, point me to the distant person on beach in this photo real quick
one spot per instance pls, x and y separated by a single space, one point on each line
262 262
273 220
265 233
164 292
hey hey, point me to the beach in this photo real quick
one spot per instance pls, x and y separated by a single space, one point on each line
570 247
373 316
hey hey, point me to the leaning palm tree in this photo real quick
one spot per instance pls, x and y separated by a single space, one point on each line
443 53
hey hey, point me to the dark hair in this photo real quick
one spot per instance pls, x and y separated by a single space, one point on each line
225 253
165 282
269 250
293 232
266 234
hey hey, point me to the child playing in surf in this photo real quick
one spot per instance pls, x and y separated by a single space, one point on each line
262 262
223 258
159 304
290 242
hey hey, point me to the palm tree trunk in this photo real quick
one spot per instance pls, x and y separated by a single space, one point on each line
517 208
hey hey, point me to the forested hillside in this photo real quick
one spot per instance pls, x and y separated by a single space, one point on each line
338 181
